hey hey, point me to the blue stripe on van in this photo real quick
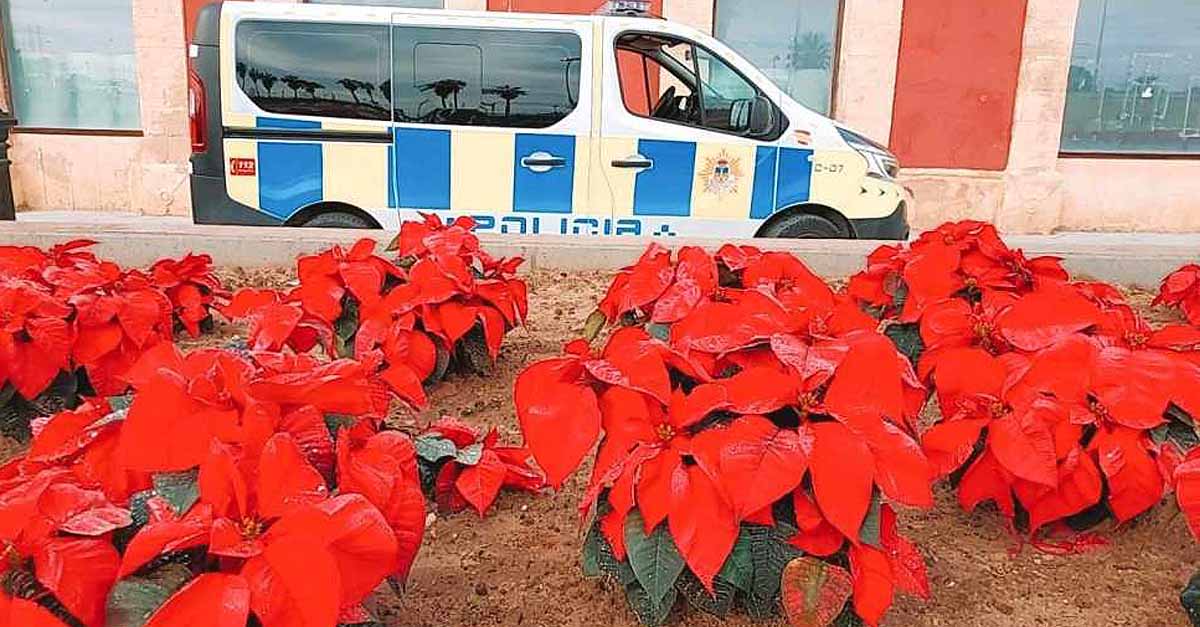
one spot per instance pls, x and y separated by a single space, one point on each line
666 188
762 198
544 192
795 177
421 167
285 123
290 174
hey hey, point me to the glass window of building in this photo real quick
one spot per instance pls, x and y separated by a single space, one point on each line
792 41
1134 83
71 63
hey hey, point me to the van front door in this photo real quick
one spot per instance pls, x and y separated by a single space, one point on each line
492 118
690 146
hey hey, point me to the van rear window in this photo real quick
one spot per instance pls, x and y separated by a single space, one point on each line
317 69
477 77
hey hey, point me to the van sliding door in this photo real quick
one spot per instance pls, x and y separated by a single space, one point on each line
492 118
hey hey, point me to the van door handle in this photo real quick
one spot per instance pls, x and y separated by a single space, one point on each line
542 162
637 162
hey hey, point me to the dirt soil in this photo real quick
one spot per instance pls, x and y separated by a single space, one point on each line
520 564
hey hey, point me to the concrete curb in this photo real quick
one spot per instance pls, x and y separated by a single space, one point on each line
1136 259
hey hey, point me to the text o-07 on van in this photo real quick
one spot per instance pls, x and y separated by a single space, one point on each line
609 124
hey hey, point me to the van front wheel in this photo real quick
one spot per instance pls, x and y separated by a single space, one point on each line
338 220
806 226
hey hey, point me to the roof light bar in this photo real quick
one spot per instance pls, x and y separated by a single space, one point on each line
633 8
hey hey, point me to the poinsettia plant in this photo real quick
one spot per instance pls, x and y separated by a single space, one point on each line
227 487
736 435
1181 289
1058 402
75 324
460 468
445 303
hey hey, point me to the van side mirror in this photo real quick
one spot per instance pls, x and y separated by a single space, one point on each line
762 117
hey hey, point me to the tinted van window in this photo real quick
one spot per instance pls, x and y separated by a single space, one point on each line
476 77
304 68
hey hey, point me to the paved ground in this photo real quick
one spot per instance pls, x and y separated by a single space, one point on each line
1137 259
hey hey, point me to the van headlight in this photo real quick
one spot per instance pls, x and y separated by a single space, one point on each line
880 162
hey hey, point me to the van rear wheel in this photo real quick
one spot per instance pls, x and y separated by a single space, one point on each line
338 220
806 226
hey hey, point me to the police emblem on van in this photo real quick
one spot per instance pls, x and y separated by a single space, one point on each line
721 174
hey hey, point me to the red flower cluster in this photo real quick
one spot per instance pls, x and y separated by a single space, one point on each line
465 469
65 309
1182 289
228 487
755 399
1056 398
407 318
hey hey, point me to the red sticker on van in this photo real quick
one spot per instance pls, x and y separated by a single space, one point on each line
241 166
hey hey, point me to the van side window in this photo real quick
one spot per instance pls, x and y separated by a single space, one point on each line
679 82
306 68
477 77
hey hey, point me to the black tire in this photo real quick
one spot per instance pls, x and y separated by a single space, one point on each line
806 226
338 220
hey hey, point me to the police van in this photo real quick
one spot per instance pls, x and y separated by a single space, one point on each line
611 124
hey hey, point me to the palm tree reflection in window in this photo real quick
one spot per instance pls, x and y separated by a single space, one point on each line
507 93
810 51
445 89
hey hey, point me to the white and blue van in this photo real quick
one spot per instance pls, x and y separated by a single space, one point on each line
613 124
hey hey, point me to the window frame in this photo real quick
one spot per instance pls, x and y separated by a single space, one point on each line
835 68
781 118
577 40
7 102
388 63
1123 155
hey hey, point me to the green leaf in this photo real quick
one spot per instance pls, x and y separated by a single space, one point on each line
648 611
471 353
469 455
738 569
346 327
140 514
594 325
655 559
907 338
120 403
659 331
435 448
869 532
7 391
335 423
133 599
599 561
718 604
771 554
1180 429
180 489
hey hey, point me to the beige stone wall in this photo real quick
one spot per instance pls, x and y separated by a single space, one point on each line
869 44
1040 192
695 13
146 174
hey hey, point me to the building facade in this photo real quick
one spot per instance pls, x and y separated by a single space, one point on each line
1038 115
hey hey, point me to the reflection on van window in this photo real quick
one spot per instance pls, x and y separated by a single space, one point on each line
475 77
327 70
